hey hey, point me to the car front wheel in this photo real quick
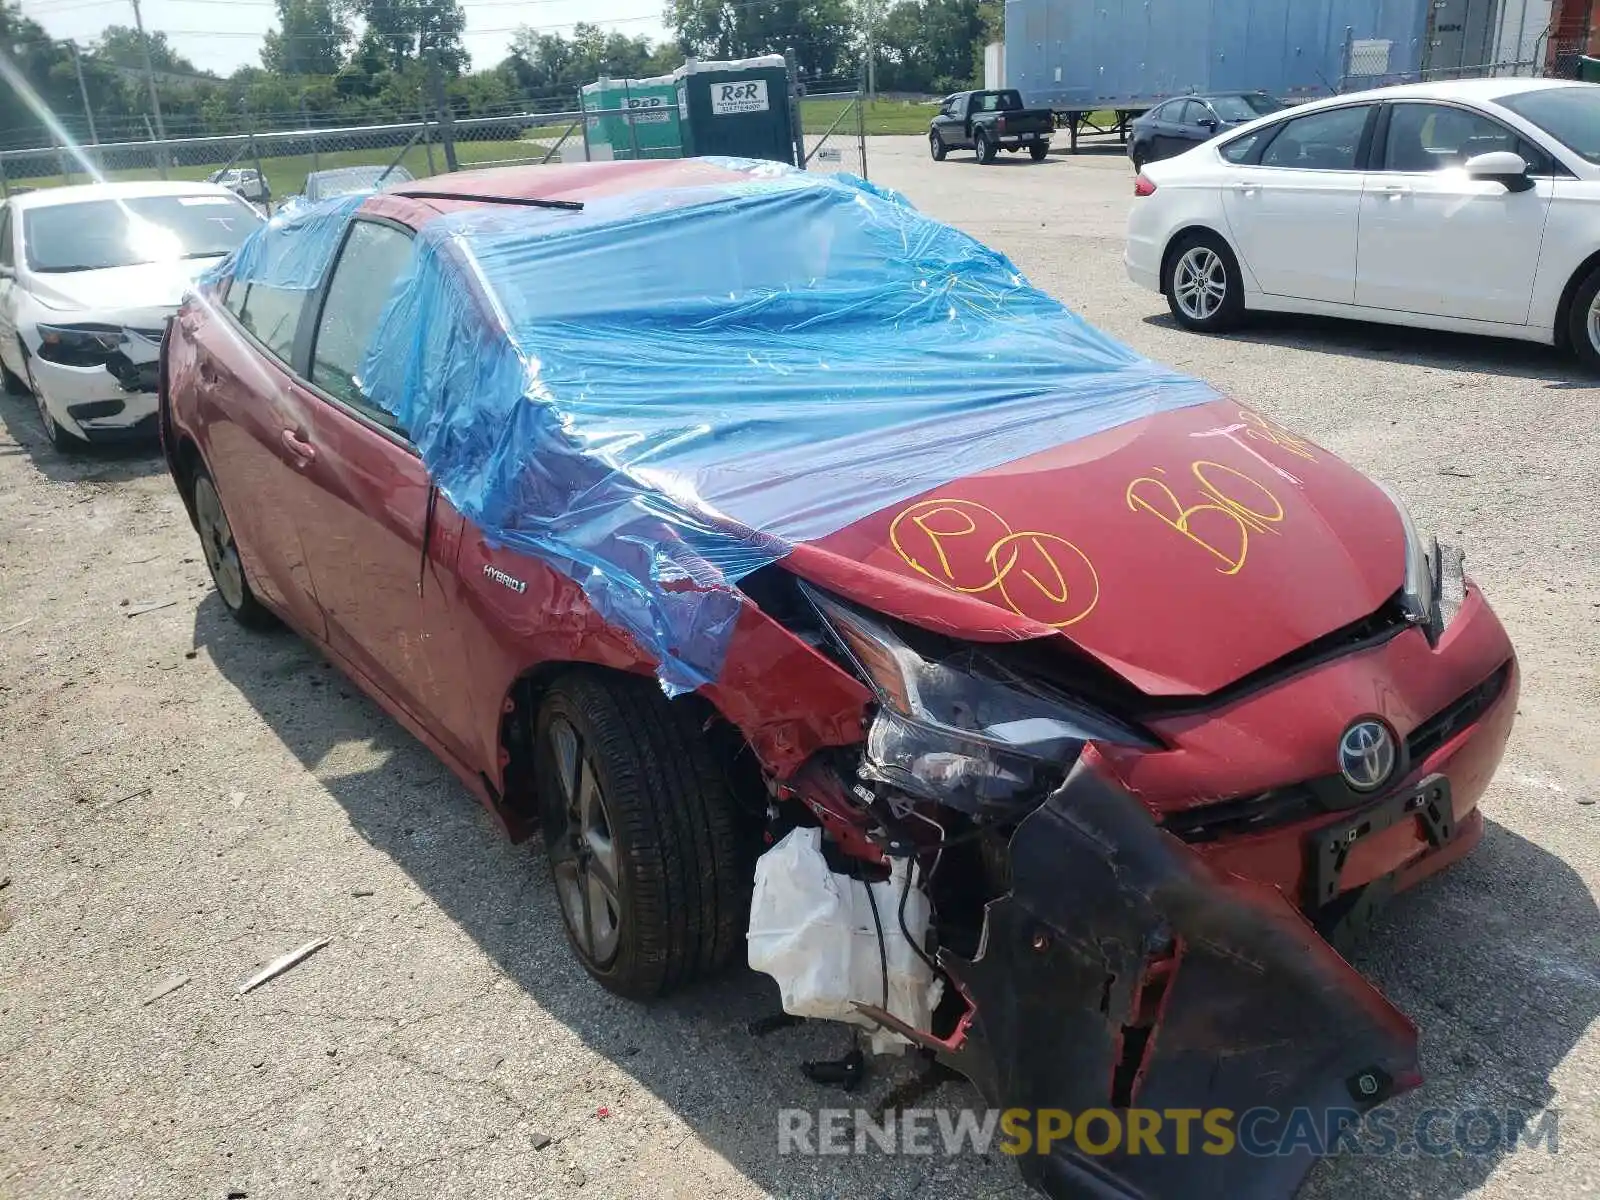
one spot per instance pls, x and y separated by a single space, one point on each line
63 441
222 556
936 147
1583 321
649 852
1202 284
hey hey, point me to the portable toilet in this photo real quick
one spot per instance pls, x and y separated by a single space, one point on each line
736 108
632 118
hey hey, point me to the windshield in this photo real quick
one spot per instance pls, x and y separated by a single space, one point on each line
1571 115
1245 108
94 234
348 180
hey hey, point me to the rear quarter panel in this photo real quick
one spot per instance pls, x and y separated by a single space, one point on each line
1189 190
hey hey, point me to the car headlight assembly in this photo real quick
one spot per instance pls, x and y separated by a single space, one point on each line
958 727
80 345
1435 584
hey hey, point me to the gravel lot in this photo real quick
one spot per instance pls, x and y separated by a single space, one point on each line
181 798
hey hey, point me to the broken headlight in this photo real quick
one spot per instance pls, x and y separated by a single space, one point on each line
79 345
956 726
1435 582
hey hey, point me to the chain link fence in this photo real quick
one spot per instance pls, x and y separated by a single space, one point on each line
1366 64
269 167
286 159
835 132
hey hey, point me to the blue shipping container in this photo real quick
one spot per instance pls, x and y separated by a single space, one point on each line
1083 55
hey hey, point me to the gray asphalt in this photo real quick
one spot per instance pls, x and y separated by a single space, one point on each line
181 798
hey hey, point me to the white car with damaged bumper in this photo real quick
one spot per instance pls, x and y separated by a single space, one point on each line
88 277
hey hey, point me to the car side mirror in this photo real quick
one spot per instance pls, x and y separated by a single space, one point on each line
1503 167
1208 123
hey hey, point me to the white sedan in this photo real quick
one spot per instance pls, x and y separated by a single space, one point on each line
88 277
1472 205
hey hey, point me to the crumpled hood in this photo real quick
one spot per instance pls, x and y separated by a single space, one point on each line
1183 550
158 285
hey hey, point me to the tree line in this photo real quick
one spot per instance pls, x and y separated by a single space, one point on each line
350 62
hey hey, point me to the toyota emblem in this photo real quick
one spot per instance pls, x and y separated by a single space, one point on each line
1367 755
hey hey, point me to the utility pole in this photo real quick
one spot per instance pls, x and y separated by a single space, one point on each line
442 107
83 90
872 49
149 72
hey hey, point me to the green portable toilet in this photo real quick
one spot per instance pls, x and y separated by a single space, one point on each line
736 108
632 118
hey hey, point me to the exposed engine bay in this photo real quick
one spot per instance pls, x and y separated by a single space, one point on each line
973 885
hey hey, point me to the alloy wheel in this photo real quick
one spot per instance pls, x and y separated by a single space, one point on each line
216 541
1593 323
583 851
1200 283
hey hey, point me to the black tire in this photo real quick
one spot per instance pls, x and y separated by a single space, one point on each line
1583 322
222 555
936 146
15 385
1038 150
669 835
1214 271
983 147
57 434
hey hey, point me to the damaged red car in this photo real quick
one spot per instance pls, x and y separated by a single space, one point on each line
827 595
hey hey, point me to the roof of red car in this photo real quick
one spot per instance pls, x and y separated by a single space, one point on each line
569 181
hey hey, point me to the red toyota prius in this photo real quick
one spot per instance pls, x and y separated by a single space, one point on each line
705 515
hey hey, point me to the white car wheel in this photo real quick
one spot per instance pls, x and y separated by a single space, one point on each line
1203 283
1200 283
63 441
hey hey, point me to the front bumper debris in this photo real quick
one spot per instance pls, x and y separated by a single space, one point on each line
1121 973
111 400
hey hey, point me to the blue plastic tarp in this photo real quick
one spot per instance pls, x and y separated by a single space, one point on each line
669 389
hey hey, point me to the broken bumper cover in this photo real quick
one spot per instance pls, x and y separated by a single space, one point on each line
1121 972
111 400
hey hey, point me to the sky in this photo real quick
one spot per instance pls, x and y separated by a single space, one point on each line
221 35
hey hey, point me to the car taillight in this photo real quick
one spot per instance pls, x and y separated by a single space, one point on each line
1144 186
1000 125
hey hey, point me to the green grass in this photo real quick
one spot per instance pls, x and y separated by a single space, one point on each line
882 116
287 175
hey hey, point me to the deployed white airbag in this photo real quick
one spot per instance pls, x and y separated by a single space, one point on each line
813 931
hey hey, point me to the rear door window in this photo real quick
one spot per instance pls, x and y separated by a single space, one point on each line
1320 141
1243 149
8 256
270 314
373 258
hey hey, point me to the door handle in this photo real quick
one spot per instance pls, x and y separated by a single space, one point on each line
1395 189
1247 187
299 446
